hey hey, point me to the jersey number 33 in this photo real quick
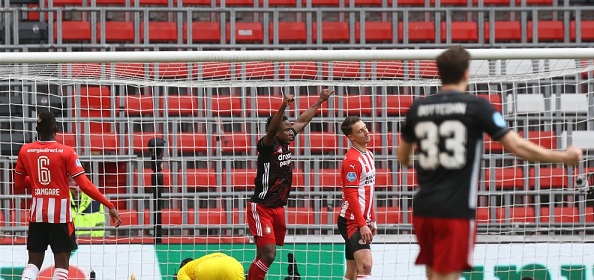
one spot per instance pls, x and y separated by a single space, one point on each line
430 135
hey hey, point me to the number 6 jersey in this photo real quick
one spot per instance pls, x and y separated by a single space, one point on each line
448 129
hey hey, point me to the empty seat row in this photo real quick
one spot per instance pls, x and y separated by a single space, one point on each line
332 32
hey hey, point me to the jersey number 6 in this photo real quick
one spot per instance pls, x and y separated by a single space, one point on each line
453 133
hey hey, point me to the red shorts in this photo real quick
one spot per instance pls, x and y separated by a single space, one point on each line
267 224
447 244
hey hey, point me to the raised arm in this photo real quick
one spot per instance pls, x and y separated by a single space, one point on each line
306 117
275 124
533 152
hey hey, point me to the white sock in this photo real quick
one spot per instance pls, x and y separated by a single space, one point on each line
30 272
60 274
363 277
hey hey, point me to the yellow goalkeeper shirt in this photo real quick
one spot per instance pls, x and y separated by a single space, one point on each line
215 266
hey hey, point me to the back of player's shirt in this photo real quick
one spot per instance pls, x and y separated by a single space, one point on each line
48 164
358 171
448 129
274 175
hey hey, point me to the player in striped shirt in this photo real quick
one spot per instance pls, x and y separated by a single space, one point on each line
44 167
356 222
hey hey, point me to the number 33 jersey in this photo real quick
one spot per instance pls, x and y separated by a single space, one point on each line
448 129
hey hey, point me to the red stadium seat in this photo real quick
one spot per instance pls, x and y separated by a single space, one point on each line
21 220
315 3
307 101
375 31
452 3
239 213
152 2
329 217
94 125
211 216
127 70
492 146
147 177
461 31
343 69
254 70
186 3
376 144
482 215
516 215
383 178
204 31
300 216
299 178
243 179
272 3
347 3
505 178
169 70
188 142
424 68
117 31
332 32
160 32
105 142
199 179
129 218
267 105
302 70
418 31
413 2
547 139
586 30
246 32
388 215
549 177
179 105
172 217
230 3
140 140
112 2
289 32
358 105
397 105
95 97
136 105
329 179
536 2
494 2
235 142
385 69
62 3
547 31
68 139
215 70
494 99
412 181
565 215
505 31
321 142
73 31
226 105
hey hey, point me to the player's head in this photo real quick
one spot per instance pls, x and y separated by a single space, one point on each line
356 130
453 66
184 262
285 133
46 126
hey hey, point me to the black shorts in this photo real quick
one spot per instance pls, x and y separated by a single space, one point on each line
353 244
60 237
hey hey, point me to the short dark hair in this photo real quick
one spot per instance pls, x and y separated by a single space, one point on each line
185 261
452 64
46 123
270 120
347 124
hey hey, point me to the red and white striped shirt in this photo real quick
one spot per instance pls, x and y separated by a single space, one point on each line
358 171
48 164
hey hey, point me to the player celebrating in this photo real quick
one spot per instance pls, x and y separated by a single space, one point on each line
356 222
448 129
215 266
266 212
46 166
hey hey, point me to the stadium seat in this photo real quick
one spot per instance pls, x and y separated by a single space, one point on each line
526 104
579 138
482 215
383 178
505 178
187 3
573 103
358 105
536 2
203 32
492 146
385 69
19 217
329 179
147 174
159 32
215 70
172 217
105 142
320 142
188 142
73 31
237 214
376 144
547 31
302 70
211 216
258 70
68 139
586 30
306 101
151 2
505 31
375 31
113 2
549 177
289 32
136 105
424 68
179 105
317 3
342 69
231 3
413 3
242 179
274 3
396 105
359 3
565 215
235 142
128 70
226 105
62 3
332 32
246 32
175 70
128 217
140 140
200 179
387 215
418 31
298 180
95 97
460 31
547 139
300 216
516 215
329 217
494 99
412 181
267 105
117 31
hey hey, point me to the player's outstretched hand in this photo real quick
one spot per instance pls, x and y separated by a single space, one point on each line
325 94
573 155
366 234
288 99
115 217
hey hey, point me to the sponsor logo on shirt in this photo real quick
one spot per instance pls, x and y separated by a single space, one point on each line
498 120
351 176
44 150
284 159
78 163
